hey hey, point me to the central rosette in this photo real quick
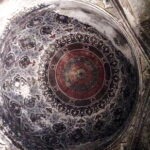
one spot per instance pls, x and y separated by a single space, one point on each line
76 76
79 74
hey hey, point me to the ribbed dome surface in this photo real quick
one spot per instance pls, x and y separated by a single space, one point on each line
66 84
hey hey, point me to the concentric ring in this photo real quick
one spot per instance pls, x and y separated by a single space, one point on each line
79 74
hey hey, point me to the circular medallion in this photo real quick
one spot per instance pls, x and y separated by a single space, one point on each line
79 74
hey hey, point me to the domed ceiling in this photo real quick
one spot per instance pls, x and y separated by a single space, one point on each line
69 79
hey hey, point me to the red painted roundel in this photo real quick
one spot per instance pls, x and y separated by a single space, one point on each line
79 74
